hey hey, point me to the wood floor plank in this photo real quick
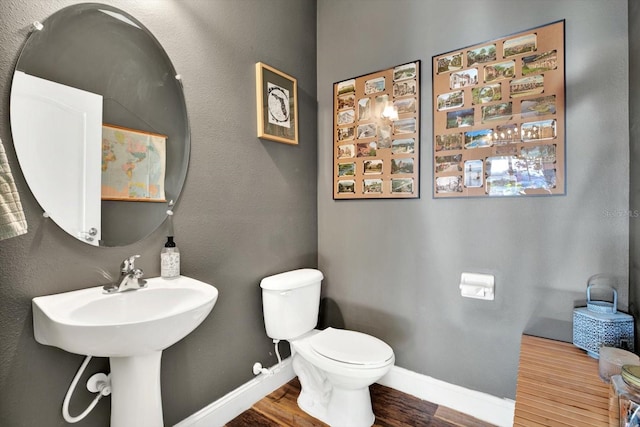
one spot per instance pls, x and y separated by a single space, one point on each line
458 419
399 409
282 407
252 418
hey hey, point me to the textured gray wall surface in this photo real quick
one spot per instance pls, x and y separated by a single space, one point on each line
248 208
393 267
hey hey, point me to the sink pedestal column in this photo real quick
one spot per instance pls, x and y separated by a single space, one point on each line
135 391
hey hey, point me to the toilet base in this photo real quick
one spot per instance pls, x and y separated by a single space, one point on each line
346 408
350 408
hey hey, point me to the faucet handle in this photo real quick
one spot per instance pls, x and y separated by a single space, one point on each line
128 265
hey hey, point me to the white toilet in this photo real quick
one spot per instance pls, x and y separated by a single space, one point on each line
335 366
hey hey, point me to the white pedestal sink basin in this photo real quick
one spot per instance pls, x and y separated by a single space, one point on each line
131 328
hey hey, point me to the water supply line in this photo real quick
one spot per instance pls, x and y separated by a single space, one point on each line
257 367
98 383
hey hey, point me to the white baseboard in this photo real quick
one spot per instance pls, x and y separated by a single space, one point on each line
239 400
480 405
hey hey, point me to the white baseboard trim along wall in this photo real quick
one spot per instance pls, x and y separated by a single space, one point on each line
480 405
239 400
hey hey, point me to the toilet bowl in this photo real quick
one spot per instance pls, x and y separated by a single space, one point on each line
335 366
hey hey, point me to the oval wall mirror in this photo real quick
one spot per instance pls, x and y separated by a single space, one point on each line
99 124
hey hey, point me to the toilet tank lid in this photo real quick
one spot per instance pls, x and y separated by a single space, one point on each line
291 279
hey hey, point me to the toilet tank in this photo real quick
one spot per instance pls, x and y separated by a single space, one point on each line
290 303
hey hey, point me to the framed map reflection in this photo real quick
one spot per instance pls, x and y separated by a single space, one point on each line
133 165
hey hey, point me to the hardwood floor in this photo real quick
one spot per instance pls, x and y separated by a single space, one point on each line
392 409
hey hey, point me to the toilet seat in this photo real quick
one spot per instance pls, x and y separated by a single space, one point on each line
350 347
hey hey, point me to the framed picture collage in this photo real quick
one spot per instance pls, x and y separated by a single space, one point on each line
498 117
376 134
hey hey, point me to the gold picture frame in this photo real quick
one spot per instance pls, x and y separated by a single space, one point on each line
277 105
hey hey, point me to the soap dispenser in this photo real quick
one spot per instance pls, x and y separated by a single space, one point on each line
170 260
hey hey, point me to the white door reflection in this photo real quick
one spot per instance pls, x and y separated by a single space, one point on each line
45 111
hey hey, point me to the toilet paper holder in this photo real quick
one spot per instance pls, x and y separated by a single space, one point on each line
476 285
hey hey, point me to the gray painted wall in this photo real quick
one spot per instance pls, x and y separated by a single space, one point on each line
393 267
248 208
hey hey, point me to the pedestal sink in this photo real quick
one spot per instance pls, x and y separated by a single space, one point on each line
131 328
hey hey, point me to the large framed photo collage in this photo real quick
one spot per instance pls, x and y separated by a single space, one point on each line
376 135
499 117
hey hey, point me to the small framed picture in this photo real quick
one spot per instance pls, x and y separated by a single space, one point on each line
403 72
502 111
499 71
402 165
346 117
485 94
449 184
522 44
346 169
538 106
464 78
277 105
404 88
478 138
374 86
373 167
449 163
345 134
346 101
527 86
404 126
460 118
372 186
481 54
540 63
367 149
402 185
473 173
449 142
364 109
450 63
346 186
535 131
403 146
346 151
450 100
405 106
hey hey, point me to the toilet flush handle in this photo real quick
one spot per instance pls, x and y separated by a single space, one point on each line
285 293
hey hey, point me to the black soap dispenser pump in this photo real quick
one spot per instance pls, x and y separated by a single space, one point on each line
170 260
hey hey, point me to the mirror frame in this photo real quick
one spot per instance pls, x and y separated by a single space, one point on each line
102 49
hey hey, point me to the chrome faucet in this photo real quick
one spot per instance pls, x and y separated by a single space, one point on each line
130 278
